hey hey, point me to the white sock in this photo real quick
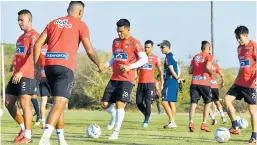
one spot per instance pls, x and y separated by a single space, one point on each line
59 133
221 113
22 126
212 116
111 110
21 111
27 134
48 131
120 114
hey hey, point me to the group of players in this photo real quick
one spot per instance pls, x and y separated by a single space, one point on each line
55 69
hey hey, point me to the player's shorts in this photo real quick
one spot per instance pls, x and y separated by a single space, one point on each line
37 90
215 94
60 80
196 91
145 91
117 91
25 87
44 87
249 94
170 90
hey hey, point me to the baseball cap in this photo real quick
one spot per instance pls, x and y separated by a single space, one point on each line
164 42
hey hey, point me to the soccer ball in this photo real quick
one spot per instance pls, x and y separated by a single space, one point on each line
243 123
222 135
93 131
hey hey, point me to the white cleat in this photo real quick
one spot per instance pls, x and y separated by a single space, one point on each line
44 141
114 135
171 125
62 142
111 124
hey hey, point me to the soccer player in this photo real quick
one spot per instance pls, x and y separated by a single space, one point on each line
44 87
171 76
215 92
245 83
22 83
63 36
201 69
146 88
128 55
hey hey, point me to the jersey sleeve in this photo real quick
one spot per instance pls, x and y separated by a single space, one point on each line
83 31
254 51
138 46
209 58
171 60
158 62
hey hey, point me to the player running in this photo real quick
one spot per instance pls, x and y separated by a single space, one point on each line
245 83
171 80
146 87
128 55
22 83
215 92
63 36
201 68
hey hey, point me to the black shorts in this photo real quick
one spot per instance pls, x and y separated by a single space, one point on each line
196 91
25 87
60 80
117 91
215 94
249 94
44 87
145 91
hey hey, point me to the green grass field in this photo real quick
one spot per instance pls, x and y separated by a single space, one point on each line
131 131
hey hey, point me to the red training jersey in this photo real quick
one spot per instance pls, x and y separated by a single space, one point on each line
213 81
42 60
146 72
247 59
125 53
24 54
200 74
64 35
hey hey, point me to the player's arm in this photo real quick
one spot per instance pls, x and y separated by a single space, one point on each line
159 67
222 77
179 70
171 62
37 48
109 63
142 60
90 50
190 71
209 65
156 86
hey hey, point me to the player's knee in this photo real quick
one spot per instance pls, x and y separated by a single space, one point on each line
228 100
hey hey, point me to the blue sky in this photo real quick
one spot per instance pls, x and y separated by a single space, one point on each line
184 24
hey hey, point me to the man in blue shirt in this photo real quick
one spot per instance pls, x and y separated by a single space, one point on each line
171 80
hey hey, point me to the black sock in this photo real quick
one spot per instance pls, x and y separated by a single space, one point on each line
36 106
148 103
235 124
254 135
141 107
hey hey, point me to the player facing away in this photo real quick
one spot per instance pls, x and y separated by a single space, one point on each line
146 87
63 36
245 83
215 92
44 87
128 55
171 76
201 70
22 83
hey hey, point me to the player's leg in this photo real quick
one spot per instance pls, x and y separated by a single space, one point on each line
165 103
212 116
139 99
229 98
148 95
107 103
207 98
173 96
36 107
173 110
194 98
60 130
43 102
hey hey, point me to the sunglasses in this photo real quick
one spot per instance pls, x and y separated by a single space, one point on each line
162 47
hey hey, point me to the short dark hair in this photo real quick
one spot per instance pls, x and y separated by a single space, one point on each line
203 44
76 2
149 42
123 22
25 11
241 30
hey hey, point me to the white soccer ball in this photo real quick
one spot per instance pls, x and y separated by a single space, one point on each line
93 131
222 135
243 123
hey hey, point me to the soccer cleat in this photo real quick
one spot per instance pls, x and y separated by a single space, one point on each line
23 140
37 122
160 113
205 127
111 124
191 127
44 141
234 131
144 124
171 125
62 142
19 136
114 135
252 141
214 122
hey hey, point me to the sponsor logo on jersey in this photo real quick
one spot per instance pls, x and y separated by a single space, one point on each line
57 55
20 50
244 63
148 66
62 23
120 56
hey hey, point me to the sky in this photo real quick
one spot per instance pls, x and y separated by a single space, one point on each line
184 24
